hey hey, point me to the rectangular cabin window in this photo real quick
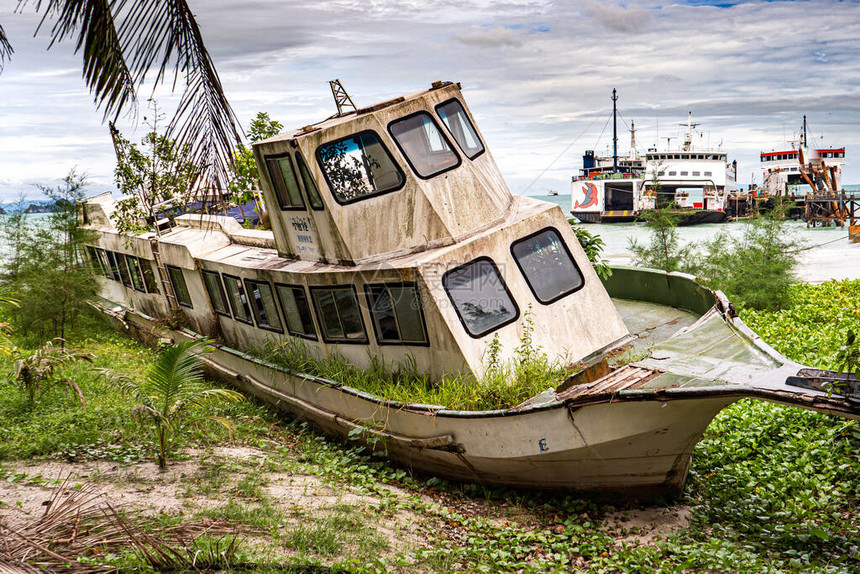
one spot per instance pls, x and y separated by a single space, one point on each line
216 292
708 174
94 261
310 185
237 298
697 173
297 310
673 173
338 314
284 182
425 148
461 129
359 166
480 296
396 313
148 275
547 265
105 261
180 289
685 173
263 305
123 270
136 274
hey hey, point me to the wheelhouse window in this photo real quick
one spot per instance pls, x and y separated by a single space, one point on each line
297 310
480 296
237 298
263 305
455 119
424 146
547 265
216 292
396 313
310 185
284 182
338 314
180 289
136 273
358 167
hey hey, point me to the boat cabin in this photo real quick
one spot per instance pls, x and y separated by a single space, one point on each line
393 237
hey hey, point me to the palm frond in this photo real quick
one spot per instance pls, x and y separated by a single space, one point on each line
207 397
5 48
164 35
105 70
127 42
177 369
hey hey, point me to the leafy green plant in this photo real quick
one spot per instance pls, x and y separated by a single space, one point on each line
755 269
593 245
173 397
35 374
664 249
245 182
149 175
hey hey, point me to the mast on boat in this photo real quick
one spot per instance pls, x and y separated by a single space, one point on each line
614 131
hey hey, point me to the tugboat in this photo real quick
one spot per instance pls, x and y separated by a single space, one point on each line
613 189
394 238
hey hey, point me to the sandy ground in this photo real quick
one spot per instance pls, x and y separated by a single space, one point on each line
209 480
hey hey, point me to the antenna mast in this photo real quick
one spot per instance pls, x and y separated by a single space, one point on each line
614 132
341 98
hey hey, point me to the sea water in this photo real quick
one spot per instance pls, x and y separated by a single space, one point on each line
826 251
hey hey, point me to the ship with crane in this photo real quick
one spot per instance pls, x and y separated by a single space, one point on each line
693 180
810 177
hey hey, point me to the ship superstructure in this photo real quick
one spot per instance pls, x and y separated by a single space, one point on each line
393 238
801 164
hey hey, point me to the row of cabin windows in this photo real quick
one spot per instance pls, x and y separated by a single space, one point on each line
832 154
476 289
699 156
395 309
695 173
133 272
360 166
779 156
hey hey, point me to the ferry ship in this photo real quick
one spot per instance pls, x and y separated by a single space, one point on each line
395 240
616 189
800 169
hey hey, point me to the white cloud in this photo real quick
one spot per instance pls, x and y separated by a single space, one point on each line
538 75
618 18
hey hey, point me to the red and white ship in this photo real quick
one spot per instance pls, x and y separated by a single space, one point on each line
820 168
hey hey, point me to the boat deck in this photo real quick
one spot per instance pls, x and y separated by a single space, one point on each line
652 323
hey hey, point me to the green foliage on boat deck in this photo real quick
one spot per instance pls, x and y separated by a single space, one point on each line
504 385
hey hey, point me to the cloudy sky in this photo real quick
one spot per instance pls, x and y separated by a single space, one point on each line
537 75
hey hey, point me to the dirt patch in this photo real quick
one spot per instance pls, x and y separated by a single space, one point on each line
643 526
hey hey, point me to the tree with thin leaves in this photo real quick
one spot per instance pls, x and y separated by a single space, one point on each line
128 43
174 397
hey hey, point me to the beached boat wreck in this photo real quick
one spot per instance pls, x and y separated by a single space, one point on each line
394 237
